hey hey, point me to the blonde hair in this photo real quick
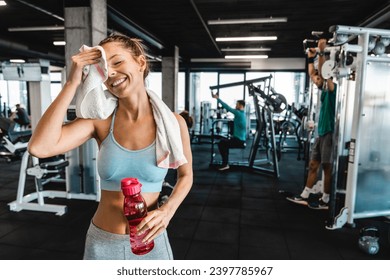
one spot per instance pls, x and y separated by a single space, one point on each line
135 46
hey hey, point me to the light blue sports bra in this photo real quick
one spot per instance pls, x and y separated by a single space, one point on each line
116 162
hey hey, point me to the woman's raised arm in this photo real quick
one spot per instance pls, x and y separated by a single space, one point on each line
51 137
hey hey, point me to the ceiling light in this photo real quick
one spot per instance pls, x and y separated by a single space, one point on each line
36 28
152 57
246 21
208 60
254 38
245 56
3 3
59 43
17 60
245 49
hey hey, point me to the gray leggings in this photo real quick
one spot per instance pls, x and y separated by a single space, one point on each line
103 245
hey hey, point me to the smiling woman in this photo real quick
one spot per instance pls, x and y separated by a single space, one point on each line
141 154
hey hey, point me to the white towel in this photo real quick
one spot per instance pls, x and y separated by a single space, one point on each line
95 103
92 101
169 147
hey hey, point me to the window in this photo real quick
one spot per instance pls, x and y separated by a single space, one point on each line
12 93
154 83
55 84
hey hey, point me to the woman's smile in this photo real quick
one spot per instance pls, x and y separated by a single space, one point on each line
118 82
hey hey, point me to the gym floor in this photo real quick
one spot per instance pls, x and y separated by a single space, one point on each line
235 214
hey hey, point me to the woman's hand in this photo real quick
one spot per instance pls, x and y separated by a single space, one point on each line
80 60
156 221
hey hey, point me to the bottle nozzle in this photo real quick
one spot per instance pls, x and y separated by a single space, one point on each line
130 186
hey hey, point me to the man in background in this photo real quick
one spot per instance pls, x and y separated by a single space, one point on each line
20 116
239 131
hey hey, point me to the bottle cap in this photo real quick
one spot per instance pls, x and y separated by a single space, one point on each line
130 186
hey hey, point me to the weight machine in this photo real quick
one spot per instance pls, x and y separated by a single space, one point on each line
265 104
13 143
44 172
361 167
289 126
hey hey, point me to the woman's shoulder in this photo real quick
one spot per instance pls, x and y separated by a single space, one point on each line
180 120
101 128
177 116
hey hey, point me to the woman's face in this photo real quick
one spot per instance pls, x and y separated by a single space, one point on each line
125 73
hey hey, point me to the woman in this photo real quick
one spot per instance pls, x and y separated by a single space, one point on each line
130 133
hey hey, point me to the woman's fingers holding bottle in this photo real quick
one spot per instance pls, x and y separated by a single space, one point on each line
153 233
155 222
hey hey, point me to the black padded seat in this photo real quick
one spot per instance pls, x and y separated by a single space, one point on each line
54 165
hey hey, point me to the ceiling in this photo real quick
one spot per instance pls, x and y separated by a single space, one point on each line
184 23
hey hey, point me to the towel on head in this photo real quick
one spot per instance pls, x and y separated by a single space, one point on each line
92 101
169 147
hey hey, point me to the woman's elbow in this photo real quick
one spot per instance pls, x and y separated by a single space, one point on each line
31 149
187 177
36 151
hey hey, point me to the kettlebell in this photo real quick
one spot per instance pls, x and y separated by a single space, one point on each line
369 240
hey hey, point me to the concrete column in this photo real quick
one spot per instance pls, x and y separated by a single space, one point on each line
40 99
170 76
85 24
194 101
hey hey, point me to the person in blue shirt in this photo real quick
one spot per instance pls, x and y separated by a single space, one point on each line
239 131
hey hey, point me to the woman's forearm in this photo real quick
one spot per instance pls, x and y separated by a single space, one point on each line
179 193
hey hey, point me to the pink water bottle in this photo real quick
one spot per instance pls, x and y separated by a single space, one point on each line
135 210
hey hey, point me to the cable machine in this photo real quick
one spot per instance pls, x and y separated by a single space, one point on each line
361 167
265 104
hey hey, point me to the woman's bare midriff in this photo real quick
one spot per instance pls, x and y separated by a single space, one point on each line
109 214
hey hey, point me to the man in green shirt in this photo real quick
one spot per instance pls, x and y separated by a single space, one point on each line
239 131
322 149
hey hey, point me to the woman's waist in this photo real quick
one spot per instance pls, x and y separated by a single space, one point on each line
109 215
115 185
